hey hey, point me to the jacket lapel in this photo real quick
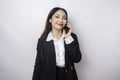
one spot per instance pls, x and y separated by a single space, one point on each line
66 54
50 49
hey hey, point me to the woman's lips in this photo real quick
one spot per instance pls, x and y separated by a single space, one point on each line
60 24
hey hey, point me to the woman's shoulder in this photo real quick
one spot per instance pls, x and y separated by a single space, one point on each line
73 35
42 38
40 42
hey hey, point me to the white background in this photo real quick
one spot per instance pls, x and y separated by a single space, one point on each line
96 23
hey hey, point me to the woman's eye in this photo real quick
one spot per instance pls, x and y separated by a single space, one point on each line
57 16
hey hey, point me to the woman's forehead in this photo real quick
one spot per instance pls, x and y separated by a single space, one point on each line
60 12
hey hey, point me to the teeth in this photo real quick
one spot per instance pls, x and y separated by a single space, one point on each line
60 24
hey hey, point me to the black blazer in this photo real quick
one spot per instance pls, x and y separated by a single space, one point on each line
45 63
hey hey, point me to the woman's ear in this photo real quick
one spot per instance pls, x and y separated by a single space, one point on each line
49 20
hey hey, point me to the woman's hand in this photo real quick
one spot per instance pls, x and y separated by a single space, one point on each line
69 32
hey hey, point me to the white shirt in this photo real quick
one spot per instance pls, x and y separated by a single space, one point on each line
60 48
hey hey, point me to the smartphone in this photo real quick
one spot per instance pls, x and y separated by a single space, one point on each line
66 29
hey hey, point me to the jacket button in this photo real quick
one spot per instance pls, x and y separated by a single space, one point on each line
66 70
71 68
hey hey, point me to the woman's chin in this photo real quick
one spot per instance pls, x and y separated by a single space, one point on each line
59 28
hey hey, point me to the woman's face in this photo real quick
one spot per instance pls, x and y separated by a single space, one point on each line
58 20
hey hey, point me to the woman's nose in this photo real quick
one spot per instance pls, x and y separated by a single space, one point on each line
61 20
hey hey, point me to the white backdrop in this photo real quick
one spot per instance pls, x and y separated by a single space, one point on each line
96 23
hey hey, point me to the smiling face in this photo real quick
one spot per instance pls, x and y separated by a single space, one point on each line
58 20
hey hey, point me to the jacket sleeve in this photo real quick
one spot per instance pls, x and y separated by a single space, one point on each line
74 50
38 62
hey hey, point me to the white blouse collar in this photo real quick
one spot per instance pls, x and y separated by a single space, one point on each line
50 37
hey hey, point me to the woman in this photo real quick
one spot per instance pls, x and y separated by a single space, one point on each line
57 49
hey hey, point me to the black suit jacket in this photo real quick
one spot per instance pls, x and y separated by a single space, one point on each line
45 63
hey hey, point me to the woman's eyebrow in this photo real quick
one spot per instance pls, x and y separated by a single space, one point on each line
59 15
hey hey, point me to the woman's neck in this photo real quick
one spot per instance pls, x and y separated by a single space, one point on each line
57 34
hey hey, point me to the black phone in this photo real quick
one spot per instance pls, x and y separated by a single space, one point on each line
66 29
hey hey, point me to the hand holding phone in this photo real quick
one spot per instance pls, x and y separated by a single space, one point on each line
68 29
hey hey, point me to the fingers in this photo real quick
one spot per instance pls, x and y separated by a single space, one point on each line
70 30
69 25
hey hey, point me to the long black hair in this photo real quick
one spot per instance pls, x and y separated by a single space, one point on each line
48 26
